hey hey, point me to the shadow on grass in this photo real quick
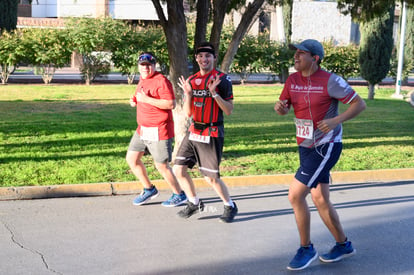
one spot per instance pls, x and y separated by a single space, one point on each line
58 127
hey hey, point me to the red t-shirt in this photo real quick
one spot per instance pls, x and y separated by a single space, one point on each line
157 86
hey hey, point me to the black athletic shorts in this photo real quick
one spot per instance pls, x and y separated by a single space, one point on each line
206 155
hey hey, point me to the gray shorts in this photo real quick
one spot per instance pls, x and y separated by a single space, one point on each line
161 151
206 155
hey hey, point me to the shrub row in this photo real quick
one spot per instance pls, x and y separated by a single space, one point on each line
104 42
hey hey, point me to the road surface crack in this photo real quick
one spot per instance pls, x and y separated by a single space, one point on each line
15 241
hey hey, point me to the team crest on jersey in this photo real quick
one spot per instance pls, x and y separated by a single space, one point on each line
198 81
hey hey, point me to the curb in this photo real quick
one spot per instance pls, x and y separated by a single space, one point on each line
125 188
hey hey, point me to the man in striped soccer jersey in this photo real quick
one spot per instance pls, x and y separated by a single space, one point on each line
314 95
207 94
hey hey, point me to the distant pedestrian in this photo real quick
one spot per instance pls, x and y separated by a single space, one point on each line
208 94
314 95
154 99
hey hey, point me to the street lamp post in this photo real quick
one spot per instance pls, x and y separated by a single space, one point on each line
400 54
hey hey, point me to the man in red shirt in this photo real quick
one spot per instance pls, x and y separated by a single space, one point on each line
208 94
154 99
314 95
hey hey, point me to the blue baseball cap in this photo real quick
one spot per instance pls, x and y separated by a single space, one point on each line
146 58
309 45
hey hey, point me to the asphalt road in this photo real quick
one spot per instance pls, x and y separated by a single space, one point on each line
108 235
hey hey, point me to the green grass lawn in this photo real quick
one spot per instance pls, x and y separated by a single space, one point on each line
66 134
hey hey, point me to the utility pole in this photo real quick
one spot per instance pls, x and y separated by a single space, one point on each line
400 53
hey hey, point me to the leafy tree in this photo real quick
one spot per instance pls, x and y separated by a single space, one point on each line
47 50
154 40
91 39
248 57
125 51
127 46
278 58
8 15
218 8
375 49
365 11
11 52
342 60
249 16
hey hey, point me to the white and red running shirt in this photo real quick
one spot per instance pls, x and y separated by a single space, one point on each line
313 99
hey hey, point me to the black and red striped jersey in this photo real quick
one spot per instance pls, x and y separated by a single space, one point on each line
205 109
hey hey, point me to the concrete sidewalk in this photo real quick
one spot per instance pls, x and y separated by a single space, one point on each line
108 235
124 188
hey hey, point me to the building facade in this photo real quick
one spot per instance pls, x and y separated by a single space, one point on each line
318 19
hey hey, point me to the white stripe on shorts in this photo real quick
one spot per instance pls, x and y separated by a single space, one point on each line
322 165
209 170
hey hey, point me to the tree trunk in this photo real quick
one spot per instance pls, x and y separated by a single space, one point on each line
219 12
131 78
284 74
175 30
4 70
47 72
371 90
248 18
203 11
8 15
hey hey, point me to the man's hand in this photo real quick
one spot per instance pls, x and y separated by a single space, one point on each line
281 107
186 86
327 124
212 84
142 97
133 101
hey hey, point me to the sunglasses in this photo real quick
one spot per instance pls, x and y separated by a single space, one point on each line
146 58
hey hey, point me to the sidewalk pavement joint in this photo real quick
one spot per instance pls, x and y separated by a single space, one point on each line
125 188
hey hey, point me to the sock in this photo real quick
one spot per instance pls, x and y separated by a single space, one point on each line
344 243
194 200
307 246
229 203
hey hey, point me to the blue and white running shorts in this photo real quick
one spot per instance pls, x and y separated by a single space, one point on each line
316 163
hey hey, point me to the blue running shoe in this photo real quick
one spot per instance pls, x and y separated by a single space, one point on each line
146 195
303 258
175 200
338 252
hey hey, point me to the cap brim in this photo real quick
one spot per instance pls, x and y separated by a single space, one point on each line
292 46
145 63
298 46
